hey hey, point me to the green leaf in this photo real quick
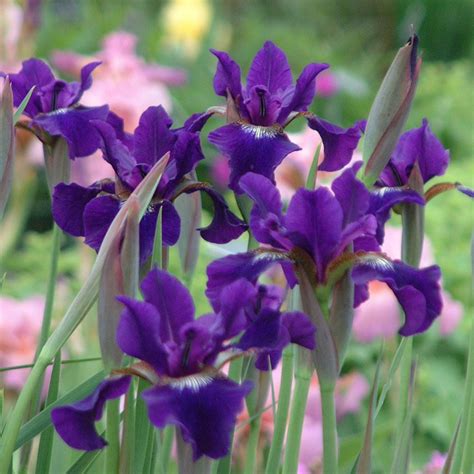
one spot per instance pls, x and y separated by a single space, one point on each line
40 422
85 461
22 106
311 179
7 140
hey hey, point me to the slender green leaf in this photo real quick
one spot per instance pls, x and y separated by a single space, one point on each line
311 179
22 106
449 458
7 141
85 461
40 422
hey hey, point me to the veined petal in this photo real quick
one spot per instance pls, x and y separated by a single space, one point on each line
251 148
139 333
417 290
172 300
204 408
339 143
74 125
75 423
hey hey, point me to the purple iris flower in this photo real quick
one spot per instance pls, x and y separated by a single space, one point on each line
89 211
181 356
317 229
54 106
255 140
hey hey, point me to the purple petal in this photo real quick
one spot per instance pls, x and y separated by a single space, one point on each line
351 193
420 145
69 201
98 215
225 225
300 329
465 190
204 409
34 72
153 137
196 122
270 68
172 300
263 333
227 77
365 226
339 143
314 223
75 423
262 106
251 148
304 91
139 333
74 125
226 270
86 77
417 290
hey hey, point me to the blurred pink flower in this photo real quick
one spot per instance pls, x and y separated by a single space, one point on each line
20 325
326 84
379 316
435 464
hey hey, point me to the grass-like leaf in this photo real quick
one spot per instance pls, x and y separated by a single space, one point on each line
21 108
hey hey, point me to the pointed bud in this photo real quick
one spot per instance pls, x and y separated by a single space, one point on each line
390 110
57 162
7 140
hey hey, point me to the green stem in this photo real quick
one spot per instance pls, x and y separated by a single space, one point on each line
328 407
168 435
128 434
303 374
405 369
113 430
252 446
157 255
274 457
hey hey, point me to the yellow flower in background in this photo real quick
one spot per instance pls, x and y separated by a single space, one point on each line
186 22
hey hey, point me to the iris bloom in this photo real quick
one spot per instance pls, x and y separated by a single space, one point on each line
88 212
181 357
54 106
317 229
258 113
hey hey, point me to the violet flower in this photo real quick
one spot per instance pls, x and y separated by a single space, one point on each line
88 212
182 356
316 231
255 140
54 106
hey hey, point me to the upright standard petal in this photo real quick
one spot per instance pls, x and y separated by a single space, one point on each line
74 125
417 290
75 423
227 77
270 68
203 408
172 300
339 143
252 148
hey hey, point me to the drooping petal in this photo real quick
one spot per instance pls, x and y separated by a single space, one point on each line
75 423
270 68
227 77
196 122
314 223
339 143
205 410
300 329
225 225
98 215
252 148
417 290
74 125
304 91
153 137
139 333
263 332
172 300
224 271
69 202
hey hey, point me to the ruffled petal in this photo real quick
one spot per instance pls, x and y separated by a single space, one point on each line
252 148
75 423
227 77
300 329
75 127
339 143
417 290
205 410
172 300
263 333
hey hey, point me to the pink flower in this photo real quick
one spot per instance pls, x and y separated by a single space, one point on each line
326 84
379 316
435 464
20 325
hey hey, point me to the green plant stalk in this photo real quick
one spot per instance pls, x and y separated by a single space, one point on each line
128 435
252 445
157 255
112 452
303 372
165 453
328 408
143 428
274 457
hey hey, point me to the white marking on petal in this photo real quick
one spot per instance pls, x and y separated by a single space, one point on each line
378 262
192 382
260 132
58 111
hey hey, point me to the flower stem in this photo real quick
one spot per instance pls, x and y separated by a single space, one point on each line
329 428
167 445
252 445
113 428
274 457
157 255
303 374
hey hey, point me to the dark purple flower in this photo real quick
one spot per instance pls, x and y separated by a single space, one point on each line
317 231
76 423
54 106
255 140
89 211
